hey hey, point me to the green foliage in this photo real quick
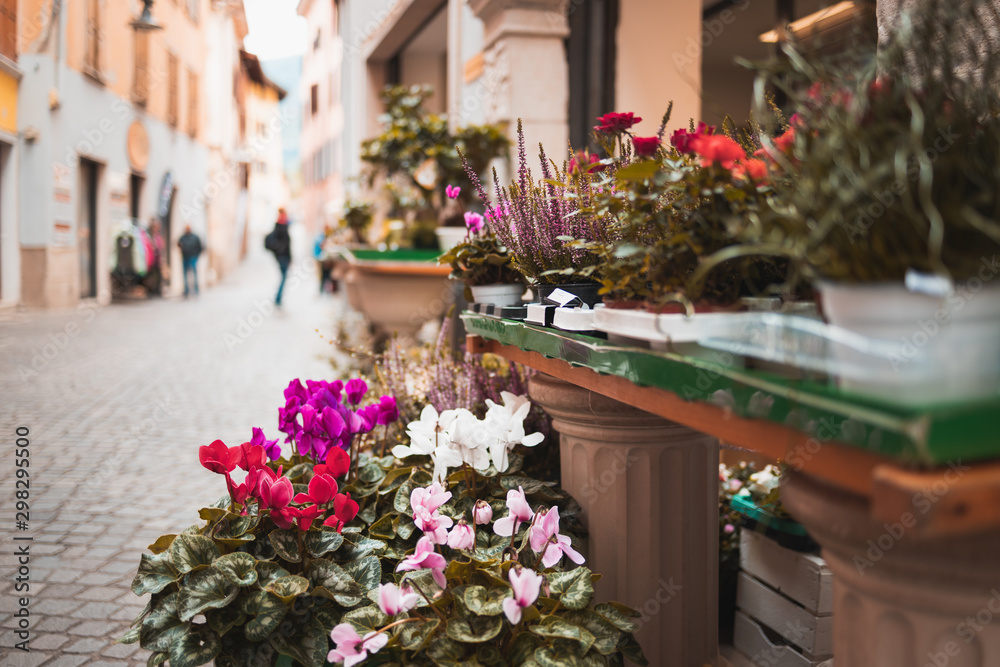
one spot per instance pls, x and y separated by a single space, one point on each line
481 260
418 153
357 216
895 164
216 597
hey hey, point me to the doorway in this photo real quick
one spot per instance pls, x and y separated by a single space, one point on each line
136 182
86 229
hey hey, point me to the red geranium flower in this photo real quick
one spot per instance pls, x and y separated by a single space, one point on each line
616 122
219 458
645 146
717 149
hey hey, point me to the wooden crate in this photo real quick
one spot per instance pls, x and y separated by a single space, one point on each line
802 577
753 647
796 624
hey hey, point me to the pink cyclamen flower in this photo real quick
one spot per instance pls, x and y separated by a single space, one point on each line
474 222
433 524
452 191
526 584
277 493
425 557
482 513
462 537
430 498
351 648
519 512
394 600
729 529
545 539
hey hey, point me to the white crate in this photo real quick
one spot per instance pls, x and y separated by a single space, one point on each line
804 578
813 634
755 648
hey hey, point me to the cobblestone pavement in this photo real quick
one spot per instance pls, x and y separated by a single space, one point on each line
117 399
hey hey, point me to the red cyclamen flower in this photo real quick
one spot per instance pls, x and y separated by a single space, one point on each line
219 458
338 462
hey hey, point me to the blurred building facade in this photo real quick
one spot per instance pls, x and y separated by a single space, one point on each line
118 123
10 75
322 145
265 125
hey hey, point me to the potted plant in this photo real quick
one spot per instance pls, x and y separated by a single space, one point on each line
416 156
890 206
357 217
533 221
293 567
485 266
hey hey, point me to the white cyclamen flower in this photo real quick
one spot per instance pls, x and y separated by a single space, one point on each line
507 423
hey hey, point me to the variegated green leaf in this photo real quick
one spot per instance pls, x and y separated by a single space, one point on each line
238 568
191 552
204 589
155 573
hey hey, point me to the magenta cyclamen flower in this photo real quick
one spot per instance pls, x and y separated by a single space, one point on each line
526 584
394 600
474 222
388 412
271 447
351 648
355 390
452 191
519 512
425 557
545 539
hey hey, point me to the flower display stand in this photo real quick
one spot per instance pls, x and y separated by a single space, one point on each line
902 500
643 482
397 291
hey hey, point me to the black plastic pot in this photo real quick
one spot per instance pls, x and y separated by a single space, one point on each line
586 292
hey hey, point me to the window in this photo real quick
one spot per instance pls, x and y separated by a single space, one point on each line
314 99
140 80
92 55
192 103
173 94
8 28
591 55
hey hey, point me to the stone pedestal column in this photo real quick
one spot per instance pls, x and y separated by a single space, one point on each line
649 490
525 72
899 600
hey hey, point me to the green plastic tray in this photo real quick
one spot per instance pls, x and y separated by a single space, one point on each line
925 436
403 255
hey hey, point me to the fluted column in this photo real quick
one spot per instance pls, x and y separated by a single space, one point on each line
649 490
900 600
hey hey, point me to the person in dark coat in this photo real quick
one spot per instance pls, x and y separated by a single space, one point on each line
190 246
282 250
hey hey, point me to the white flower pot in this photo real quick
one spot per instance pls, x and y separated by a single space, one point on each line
498 295
942 349
449 237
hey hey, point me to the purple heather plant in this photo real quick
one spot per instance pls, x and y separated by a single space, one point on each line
534 220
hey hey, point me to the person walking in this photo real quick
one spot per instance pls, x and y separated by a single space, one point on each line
155 271
324 260
280 244
190 246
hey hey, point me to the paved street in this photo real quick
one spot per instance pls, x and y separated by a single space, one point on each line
117 400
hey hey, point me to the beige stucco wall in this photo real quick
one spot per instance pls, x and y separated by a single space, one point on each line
659 60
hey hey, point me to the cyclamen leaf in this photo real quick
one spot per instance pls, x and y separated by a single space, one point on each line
130 637
618 615
163 625
320 543
288 588
383 528
191 552
475 629
161 544
606 635
554 627
155 573
204 589
356 547
268 572
308 645
366 619
238 568
574 589
523 648
631 650
367 572
156 659
195 648
225 619
267 612
414 636
485 602
286 544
